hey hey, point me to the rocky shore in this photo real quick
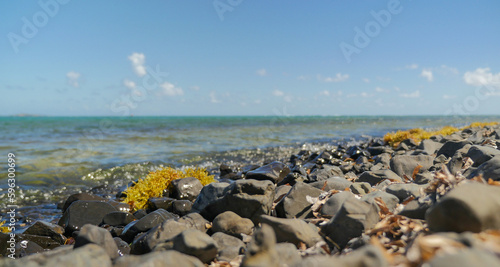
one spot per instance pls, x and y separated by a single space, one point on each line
366 203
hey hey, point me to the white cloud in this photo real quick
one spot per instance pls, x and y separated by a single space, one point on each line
427 73
258 101
195 88
73 78
447 69
278 93
415 94
325 93
412 66
288 98
129 84
171 90
381 90
302 78
138 60
449 96
213 98
339 77
262 72
397 89
482 77
365 94
366 80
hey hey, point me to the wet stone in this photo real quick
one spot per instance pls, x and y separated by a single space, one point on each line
160 203
118 218
209 194
274 172
123 247
327 171
375 177
83 212
91 234
80 196
248 198
145 224
404 191
42 228
182 207
187 188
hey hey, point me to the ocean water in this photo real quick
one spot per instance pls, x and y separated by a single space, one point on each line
56 156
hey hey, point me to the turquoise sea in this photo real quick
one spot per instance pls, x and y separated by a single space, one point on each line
56 156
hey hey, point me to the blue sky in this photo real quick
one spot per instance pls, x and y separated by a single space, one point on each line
242 57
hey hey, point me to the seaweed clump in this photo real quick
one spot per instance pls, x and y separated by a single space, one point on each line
156 182
4 229
419 134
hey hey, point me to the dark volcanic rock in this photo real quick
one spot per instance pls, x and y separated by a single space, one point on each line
481 154
118 218
123 247
247 198
415 210
403 191
404 165
232 224
375 177
470 207
187 188
293 231
337 183
429 146
334 203
26 248
161 233
229 246
390 200
80 196
42 228
194 221
169 258
195 243
145 224
327 171
298 201
354 217
274 172
91 234
450 147
360 188
83 212
489 170
209 194
165 203
182 207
